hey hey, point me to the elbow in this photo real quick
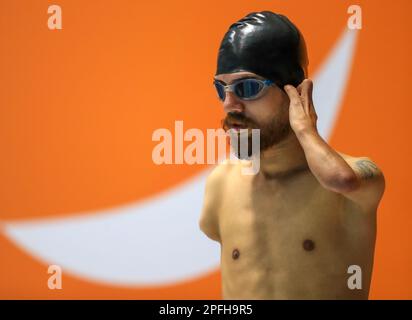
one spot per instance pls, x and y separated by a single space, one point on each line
344 182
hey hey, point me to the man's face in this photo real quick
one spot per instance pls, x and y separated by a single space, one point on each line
269 112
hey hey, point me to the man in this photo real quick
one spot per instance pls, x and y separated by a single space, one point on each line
306 221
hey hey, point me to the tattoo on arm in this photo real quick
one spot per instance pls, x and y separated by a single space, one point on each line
366 168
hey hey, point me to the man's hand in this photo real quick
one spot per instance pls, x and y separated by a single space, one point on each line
302 114
358 179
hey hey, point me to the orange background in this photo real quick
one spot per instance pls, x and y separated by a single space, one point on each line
78 107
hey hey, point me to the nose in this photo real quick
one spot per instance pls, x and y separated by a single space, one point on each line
232 103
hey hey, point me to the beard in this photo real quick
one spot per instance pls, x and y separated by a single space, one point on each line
271 133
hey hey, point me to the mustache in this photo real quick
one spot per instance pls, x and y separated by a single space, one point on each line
237 118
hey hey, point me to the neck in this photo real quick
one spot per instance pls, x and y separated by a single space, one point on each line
283 159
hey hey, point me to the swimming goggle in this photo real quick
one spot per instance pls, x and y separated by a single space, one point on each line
245 89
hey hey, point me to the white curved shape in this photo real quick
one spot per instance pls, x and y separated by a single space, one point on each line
330 82
154 242
158 241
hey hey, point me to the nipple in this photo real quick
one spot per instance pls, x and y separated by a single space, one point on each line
235 254
308 245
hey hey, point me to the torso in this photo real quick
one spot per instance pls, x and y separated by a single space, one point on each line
291 239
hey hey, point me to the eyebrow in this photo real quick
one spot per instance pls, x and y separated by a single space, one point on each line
237 79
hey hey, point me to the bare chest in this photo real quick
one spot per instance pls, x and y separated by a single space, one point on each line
275 227
281 212
276 233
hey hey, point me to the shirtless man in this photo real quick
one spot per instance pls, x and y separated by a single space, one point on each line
292 230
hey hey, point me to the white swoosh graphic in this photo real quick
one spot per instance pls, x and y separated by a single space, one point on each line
158 241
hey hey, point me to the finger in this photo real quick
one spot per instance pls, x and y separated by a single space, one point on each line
307 87
293 95
299 88
309 93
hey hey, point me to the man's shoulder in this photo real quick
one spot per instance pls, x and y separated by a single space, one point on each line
372 180
351 157
363 165
209 219
222 171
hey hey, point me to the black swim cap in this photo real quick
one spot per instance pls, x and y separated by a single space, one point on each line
267 44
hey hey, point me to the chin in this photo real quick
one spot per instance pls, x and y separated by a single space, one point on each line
249 152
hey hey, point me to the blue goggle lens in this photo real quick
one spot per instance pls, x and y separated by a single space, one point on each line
244 89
